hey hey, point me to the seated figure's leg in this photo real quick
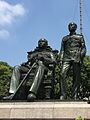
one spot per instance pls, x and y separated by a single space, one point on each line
15 79
14 82
37 80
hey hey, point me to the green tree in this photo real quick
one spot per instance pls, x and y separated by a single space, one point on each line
5 75
85 78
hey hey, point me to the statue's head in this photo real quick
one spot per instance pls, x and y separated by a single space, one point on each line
72 27
42 43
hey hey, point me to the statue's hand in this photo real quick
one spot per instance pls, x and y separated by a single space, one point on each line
60 63
40 58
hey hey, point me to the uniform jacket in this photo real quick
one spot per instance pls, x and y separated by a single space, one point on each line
73 48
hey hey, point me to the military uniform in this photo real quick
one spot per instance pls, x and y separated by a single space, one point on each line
72 52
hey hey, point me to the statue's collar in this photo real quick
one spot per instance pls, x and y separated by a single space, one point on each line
72 33
48 48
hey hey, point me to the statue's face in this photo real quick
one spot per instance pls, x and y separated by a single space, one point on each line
72 27
42 44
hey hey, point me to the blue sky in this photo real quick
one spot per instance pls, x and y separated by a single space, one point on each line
24 22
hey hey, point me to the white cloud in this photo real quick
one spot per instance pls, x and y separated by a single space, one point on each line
9 12
4 34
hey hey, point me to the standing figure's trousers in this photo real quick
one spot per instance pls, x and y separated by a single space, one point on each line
76 78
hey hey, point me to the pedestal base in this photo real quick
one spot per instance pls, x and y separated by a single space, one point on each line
44 110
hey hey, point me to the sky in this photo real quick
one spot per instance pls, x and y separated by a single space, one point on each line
24 22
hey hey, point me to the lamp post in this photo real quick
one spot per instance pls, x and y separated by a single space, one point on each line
81 17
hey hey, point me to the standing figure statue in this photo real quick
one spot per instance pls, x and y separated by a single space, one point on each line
72 52
42 57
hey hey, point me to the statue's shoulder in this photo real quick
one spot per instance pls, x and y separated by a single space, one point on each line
48 49
32 52
55 51
78 36
65 38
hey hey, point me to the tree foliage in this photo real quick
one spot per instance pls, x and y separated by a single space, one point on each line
5 75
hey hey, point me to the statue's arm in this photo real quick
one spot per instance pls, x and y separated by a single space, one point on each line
32 57
49 58
83 48
61 54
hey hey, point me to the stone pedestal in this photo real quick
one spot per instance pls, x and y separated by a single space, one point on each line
44 110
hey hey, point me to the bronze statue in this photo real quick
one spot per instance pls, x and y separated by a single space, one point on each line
40 58
72 52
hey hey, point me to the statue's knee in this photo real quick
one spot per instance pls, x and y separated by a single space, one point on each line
40 62
17 68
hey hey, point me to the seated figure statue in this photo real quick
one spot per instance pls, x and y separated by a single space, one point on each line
40 59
